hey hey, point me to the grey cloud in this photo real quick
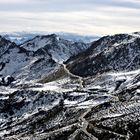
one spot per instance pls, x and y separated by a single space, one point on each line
96 15
67 5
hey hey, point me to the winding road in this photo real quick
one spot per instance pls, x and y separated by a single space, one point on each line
85 124
80 79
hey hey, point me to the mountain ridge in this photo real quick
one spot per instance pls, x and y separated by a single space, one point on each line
34 53
98 52
55 89
21 37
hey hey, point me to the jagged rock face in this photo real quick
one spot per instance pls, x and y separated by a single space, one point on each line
111 53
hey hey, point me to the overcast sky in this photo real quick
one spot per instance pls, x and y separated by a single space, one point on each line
97 17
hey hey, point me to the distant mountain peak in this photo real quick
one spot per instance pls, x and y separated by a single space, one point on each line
21 37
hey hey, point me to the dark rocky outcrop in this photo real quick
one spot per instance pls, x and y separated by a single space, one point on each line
111 53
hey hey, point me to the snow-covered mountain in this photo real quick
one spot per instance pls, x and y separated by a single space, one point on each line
64 90
59 49
37 57
21 37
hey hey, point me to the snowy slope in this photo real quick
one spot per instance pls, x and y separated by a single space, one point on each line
37 57
43 113
22 64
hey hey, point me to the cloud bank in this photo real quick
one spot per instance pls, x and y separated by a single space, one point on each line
98 17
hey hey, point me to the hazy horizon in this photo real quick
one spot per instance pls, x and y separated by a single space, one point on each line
84 17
